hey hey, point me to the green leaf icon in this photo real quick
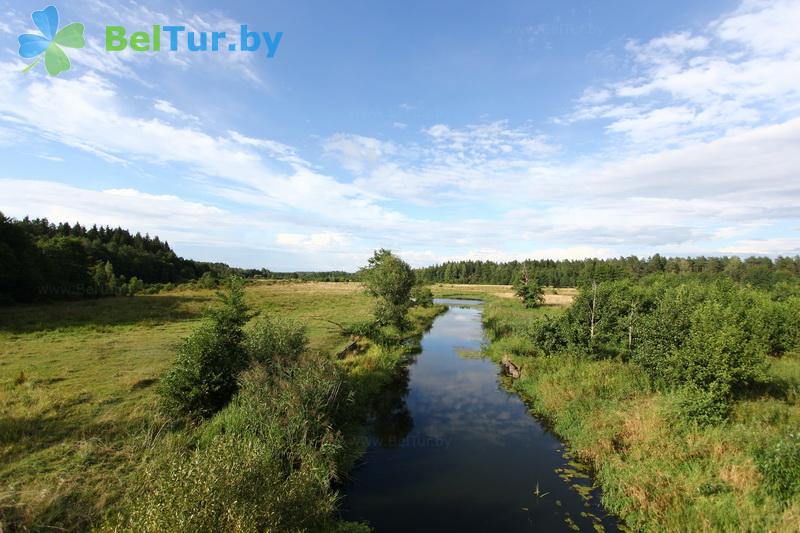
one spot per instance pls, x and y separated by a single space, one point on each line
55 60
50 41
71 36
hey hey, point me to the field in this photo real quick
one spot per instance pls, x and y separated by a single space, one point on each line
77 388
552 297
80 410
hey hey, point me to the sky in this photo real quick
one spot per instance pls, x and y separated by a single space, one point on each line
441 130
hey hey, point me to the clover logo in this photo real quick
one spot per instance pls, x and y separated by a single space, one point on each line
51 41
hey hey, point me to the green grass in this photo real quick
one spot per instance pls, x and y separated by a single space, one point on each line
78 406
658 472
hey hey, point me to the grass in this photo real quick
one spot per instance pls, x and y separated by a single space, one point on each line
658 472
78 405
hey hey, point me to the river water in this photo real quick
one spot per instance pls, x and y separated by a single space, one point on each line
451 450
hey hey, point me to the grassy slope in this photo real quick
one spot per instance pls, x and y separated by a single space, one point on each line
658 473
77 402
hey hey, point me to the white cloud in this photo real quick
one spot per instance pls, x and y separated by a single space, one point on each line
742 69
315 242
169 109
356 152
168 216
766 27
785 246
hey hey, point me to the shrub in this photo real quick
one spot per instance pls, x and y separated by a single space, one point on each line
780 466
422 296
704 406
530 293
275 339
547 333
204 375
208 280
390 280
264 463
362 328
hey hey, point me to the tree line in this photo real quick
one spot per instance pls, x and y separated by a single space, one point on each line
709 339
43 260
761 272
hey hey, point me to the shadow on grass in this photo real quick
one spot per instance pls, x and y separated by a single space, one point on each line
27 318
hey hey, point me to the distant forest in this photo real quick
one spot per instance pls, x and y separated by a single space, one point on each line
40 260
761 272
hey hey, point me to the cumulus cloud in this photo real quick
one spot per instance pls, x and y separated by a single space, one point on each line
697 153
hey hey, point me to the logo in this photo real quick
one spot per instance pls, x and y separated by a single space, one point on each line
50 41
117 40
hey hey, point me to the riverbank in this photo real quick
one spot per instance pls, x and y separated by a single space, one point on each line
464 453
80 427
657 472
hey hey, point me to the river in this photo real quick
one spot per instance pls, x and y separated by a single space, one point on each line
452 450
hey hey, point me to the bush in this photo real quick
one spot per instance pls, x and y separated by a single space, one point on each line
208 280
422 296
264 463
547 334
704 406
390 280
530 293
363 328
706 338
780 466
273 340
204 375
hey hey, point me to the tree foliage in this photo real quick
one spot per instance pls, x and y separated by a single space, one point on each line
204 376
389 279
760 272
528 290
708 340
41 260
422 296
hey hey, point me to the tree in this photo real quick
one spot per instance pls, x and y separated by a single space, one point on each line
528 290
204 376
389 279
276 340
422 296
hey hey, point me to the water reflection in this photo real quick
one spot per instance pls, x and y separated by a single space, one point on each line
392 420
452 450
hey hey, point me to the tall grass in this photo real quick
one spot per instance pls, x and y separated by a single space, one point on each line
77 431
659 470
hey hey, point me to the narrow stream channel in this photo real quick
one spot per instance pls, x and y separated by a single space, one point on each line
454 451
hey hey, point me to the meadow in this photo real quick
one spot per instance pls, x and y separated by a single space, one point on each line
659 469
85 444
78 384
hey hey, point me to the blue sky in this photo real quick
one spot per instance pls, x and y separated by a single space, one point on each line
442 130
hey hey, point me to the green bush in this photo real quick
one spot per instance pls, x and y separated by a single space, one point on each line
529 292
389 279
362 328
422 296
547 333
204 375
704 337
704 406
274 339
264 463
780 466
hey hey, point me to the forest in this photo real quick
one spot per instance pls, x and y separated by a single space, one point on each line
43 260
762 272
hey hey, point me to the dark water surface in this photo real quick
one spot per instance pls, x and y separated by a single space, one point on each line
453 451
